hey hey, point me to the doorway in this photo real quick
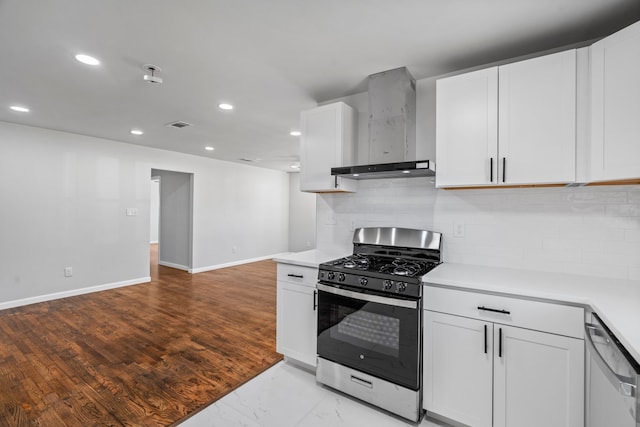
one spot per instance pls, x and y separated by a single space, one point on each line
174 218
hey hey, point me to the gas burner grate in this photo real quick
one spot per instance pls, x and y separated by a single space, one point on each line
359 262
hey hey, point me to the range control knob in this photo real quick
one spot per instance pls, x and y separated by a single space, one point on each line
401 286
364 281
341 277
387 284
331 275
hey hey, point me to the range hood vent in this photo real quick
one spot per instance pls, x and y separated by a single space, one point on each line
392 151
412 169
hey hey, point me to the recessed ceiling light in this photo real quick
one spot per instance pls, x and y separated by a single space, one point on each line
19 108
86 59
224 106
295 133
209 148
136 132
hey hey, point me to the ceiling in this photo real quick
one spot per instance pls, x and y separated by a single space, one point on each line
269 58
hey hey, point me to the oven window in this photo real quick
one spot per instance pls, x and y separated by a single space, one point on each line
372 331
377 338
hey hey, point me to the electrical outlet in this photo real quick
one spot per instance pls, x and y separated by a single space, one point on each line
68 271
458 229
132 211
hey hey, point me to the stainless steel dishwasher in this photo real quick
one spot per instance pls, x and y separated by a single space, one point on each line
611 380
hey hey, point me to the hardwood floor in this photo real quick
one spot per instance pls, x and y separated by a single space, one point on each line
143 355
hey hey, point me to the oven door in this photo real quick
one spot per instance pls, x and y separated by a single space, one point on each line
375 334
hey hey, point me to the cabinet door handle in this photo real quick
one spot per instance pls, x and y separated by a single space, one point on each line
315 300
491 169
493 310
500 342
504 169
335 184
298 276
485 339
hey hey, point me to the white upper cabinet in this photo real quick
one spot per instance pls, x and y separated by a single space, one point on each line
615 106
467 128
508 125
327 141
537 120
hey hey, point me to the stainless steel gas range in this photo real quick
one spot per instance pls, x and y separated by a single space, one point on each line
370 317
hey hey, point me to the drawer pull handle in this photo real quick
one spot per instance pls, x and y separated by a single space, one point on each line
299 276
493 310
315 300
361 381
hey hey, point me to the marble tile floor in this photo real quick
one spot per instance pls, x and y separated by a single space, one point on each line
288 396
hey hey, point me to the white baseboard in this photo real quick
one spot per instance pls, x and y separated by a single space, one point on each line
172 265
230 264
71 293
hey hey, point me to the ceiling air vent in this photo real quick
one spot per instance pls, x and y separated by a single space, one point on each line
178 125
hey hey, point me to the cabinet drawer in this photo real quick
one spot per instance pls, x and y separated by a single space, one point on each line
542 316
290 273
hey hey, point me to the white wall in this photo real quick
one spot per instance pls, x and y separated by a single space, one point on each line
64 198
592 231
302 217
175 219
154 214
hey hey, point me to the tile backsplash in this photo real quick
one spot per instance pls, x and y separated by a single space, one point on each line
592 231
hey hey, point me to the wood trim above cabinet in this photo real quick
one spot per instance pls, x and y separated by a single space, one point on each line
494 187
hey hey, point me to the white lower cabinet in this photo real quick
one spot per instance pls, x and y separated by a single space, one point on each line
538 380
296 313
457 371
483 373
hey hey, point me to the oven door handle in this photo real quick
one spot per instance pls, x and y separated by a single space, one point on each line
395 302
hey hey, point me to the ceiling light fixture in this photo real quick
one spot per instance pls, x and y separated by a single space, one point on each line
86 59
136 132
295 133
19 109
151 73
224 106
406 172
209 148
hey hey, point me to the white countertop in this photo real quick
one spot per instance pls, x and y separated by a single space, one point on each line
616 301
311 258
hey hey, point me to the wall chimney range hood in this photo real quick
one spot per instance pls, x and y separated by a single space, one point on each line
392 131
411 169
